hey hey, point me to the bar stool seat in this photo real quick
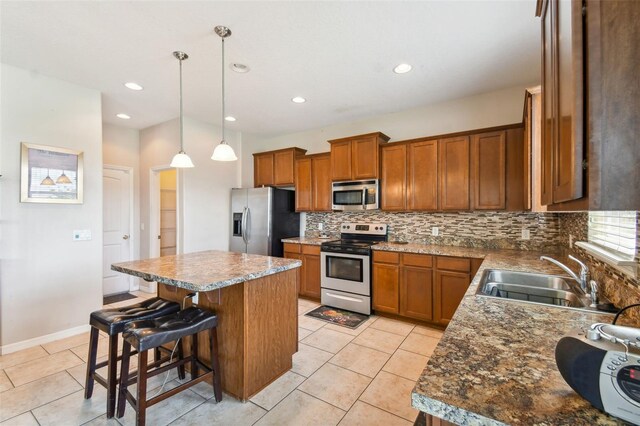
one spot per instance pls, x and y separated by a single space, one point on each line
113 321
146 335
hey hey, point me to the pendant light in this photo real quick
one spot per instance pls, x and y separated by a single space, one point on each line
223 152
63 179
47 181
181 159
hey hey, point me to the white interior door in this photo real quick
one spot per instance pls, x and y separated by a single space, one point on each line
116 228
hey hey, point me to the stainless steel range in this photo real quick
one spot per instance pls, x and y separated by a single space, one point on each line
345 266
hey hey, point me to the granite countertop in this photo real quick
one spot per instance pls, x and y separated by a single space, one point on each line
206 270
314 241
495 363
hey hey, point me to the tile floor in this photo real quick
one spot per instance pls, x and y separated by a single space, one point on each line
339 376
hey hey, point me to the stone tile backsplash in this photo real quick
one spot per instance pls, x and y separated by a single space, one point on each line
468 229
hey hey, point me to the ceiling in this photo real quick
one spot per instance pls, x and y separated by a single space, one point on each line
338 55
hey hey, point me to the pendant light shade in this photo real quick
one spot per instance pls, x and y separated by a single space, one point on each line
47 181
63 179
181 159
223 152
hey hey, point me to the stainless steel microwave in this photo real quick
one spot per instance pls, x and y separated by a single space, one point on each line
355 195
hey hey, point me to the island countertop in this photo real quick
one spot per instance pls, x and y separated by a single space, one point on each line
206 270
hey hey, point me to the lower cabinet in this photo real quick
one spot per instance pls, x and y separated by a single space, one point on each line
423 287
309 273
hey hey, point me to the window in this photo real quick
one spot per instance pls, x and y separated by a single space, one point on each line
614 231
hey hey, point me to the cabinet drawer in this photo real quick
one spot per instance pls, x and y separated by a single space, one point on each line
423 260
453 263
386 257
310 249
291 248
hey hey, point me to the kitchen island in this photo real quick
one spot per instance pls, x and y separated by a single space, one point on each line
495 363
255 299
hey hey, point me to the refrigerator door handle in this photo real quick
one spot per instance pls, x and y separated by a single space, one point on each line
244 225
247 225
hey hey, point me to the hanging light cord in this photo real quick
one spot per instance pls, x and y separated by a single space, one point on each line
223 98
181 144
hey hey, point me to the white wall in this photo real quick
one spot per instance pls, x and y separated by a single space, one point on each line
48 283
485 110
203 191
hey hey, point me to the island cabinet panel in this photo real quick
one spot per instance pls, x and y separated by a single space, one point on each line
275 168
356 157
422 175
453 162
257 329
393 177
321 182
488 162
262 169
304 185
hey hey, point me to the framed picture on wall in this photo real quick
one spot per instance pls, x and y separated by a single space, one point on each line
50 175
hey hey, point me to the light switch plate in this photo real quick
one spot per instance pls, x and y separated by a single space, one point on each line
81 235
435 231
526 234
320 226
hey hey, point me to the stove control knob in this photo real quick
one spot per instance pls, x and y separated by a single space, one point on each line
348 227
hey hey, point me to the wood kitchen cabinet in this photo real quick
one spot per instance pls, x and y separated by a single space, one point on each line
313 183
309 273
453 164
489 171
422 175
275 168
420 286
590 106
356 157
393 177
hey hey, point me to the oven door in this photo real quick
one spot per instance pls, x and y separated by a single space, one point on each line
346 272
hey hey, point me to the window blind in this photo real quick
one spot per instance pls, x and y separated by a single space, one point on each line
615 231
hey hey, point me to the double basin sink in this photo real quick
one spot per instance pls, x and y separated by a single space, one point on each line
543 289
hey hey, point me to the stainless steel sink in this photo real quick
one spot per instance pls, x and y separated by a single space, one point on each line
543 289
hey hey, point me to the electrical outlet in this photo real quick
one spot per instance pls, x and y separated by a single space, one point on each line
81 235
435 231
526 234
320 226
570 241
194 299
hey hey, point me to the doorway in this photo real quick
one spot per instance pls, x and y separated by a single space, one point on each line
116 227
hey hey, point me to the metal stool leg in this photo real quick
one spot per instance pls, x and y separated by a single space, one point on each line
91 363
215 364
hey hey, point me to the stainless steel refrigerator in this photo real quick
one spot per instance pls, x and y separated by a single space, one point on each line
260 218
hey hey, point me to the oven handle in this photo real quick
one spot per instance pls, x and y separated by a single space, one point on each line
364 197
338 296
324 254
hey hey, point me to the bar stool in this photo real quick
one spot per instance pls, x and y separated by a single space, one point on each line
112 321
151 334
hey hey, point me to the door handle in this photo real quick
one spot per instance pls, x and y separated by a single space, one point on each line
247 225
243 225
125 237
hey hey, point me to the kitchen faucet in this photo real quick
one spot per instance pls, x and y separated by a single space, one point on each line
583 279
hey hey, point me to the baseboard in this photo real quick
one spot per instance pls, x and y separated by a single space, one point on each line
14 347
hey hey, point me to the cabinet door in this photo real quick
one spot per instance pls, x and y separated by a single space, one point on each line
283 173
385 288
321 183
311 282
304 185
416 293
449 291
291 255
568 153
262 170
422 176
393 182
453 163
341 160
364 158
548 107
488 157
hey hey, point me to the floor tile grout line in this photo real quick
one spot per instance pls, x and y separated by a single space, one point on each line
386 411
326 402
16 365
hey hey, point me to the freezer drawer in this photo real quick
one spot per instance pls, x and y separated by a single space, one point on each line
348 301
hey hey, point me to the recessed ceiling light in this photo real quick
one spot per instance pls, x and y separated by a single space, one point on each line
230 118
123 116
133 86
241 68
402 68
298 100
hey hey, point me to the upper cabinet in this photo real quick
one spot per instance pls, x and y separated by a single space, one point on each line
488 161
356 157
275 168
590 105
453 162
422 175
313 183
